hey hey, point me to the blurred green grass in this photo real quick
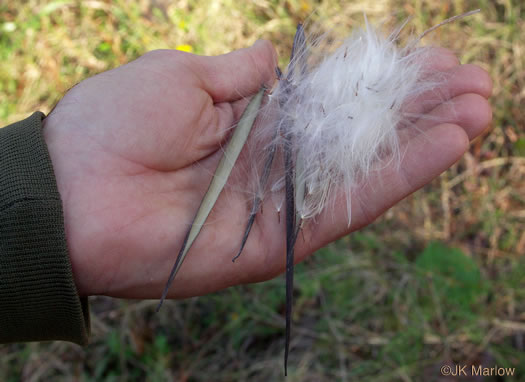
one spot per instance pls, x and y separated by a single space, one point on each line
438 279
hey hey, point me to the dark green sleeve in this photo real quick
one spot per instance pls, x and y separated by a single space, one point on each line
38 297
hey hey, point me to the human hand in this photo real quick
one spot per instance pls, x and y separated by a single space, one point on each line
134 150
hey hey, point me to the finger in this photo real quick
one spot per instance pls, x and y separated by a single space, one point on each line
457 80
426 156
238 74
470 111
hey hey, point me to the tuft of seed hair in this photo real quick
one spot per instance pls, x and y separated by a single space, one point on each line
343 115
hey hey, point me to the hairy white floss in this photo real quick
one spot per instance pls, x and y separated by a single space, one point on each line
343 115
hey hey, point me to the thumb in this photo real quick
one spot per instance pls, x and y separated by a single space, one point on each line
238 74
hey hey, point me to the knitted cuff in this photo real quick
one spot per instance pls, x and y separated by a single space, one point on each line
38 297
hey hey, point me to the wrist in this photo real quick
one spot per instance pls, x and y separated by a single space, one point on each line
55 146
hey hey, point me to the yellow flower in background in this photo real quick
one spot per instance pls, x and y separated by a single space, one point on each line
184 48
306 6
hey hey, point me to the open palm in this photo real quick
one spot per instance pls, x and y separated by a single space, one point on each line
134 150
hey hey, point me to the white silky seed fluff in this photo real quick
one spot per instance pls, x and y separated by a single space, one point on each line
345 114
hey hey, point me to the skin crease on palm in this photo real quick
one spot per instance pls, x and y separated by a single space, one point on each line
134 150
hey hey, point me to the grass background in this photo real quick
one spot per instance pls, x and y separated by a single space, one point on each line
439 279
